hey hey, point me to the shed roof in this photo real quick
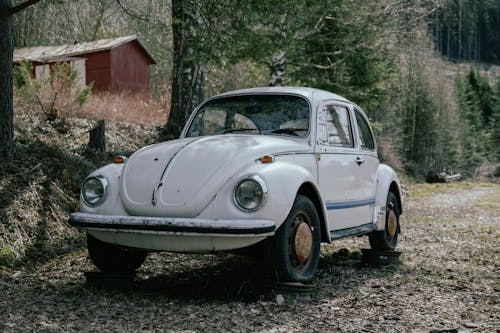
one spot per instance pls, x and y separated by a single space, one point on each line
49 53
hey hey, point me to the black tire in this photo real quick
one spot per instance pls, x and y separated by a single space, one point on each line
287 261
387 239
111 258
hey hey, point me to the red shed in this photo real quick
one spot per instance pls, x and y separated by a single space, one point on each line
115 64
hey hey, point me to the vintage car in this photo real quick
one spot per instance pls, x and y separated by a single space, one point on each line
277 170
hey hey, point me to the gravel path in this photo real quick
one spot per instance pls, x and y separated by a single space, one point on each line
448 279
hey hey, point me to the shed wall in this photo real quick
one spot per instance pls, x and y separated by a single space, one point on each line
129 69
99 70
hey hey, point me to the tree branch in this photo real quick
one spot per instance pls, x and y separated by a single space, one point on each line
22 6
128 12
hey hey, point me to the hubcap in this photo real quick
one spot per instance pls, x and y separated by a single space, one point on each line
392 224
303 242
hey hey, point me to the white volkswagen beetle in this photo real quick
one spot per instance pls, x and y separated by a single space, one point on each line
281 169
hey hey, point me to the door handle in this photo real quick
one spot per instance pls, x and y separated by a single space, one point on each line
359 160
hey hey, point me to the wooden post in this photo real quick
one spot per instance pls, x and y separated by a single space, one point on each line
97 140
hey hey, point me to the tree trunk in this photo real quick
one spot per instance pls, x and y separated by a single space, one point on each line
97 140
188 76
448 38
459 29
6 107
277 69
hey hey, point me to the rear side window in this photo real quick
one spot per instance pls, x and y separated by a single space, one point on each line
365 134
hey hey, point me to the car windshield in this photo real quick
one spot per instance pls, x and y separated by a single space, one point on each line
252 114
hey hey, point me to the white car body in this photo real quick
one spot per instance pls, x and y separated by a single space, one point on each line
178 195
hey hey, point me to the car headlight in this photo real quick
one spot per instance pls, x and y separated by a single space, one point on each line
94 190
250 193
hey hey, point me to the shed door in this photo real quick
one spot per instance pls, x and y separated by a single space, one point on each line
367 152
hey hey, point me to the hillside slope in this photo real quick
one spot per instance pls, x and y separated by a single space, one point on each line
40 187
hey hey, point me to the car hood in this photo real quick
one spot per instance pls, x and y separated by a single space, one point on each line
180 178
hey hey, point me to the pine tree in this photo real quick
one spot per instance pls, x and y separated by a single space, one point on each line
495 123
473 138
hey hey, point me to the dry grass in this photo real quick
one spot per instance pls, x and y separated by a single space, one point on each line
124 107
40 187
58 96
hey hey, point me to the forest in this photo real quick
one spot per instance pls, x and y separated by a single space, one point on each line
422 70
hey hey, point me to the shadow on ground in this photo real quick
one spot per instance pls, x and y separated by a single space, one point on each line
233 278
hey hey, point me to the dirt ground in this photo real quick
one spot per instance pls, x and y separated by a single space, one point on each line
448 280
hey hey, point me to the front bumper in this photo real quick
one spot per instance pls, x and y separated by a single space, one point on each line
174 225
174 234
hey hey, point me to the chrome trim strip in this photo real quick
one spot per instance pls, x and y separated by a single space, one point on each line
302 152
349 204
359 230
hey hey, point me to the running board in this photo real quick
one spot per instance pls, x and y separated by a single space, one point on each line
356 231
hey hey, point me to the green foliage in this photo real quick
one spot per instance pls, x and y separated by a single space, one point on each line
418 116
82 96
22 74
495 123
483 93
344 53
476 101
7 257
420 128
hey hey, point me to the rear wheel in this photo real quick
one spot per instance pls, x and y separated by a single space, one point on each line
293 252
111 258
388 238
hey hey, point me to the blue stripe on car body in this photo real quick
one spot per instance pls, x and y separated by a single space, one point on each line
349 204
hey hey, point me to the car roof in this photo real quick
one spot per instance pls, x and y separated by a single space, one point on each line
308 93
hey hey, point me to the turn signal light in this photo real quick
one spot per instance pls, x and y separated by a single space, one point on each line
119 159
267 159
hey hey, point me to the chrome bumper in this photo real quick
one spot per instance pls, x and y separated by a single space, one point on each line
172 225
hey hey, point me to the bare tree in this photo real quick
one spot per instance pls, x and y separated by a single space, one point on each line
6 56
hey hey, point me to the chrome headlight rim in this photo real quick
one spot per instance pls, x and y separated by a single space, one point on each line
263 187
104 184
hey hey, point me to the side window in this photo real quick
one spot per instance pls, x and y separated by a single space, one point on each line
365 134
335 126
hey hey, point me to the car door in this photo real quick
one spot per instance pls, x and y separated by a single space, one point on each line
340 177
367 159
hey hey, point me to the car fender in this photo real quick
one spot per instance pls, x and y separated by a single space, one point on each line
387 179
112 204
283 180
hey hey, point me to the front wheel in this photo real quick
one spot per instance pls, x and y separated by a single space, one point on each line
111 258
293 252
388 238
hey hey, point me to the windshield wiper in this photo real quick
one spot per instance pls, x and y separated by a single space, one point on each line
289 130
232 130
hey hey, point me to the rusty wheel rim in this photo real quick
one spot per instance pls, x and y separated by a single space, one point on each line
301 241
391 225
